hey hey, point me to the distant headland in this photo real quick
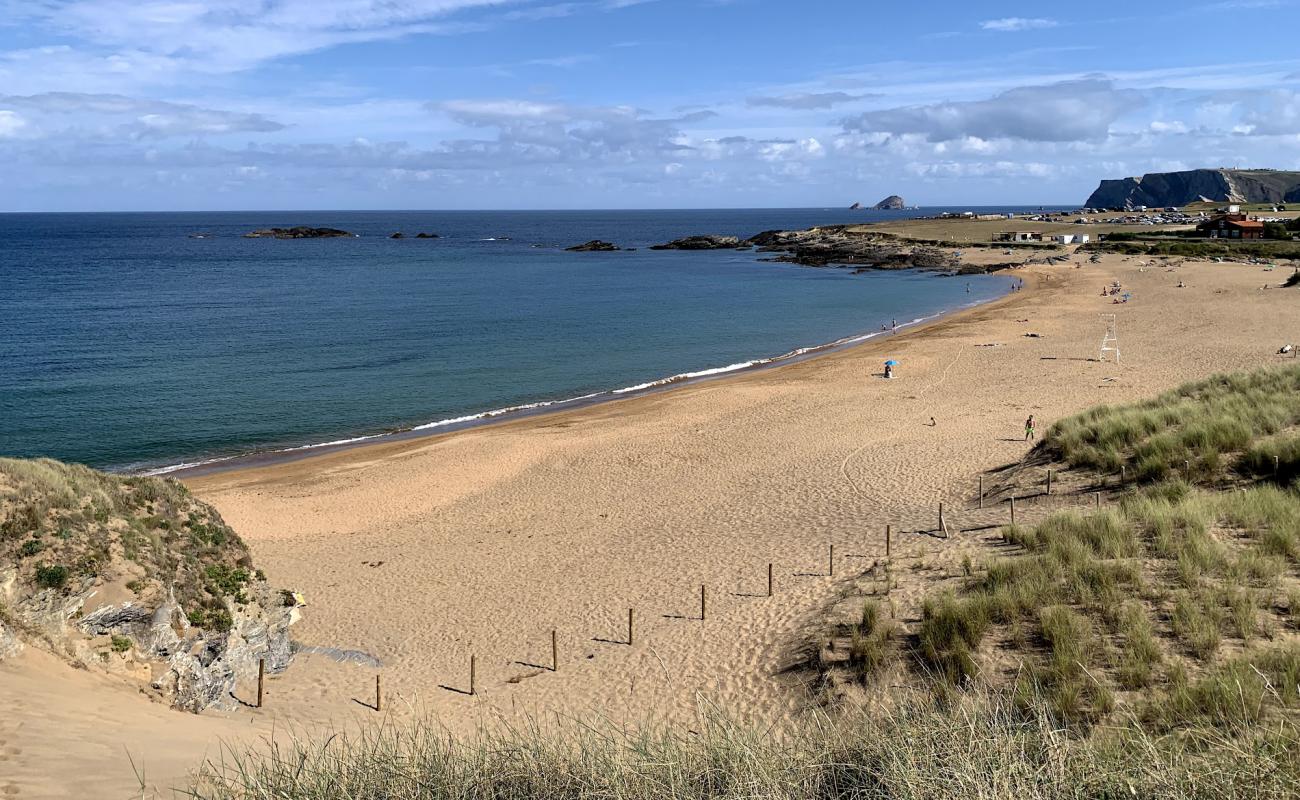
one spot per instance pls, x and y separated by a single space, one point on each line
1165 189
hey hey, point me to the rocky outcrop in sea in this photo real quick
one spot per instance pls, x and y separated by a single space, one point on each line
891 203
701 242
594 246
299 232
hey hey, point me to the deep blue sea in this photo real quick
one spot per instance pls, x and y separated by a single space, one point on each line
126 344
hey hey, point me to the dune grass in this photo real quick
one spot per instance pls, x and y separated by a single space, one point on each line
1195 432
981 745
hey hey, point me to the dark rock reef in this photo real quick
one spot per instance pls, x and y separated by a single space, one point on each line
594 246
703 242
299 232
1165 189
135 578
847 246
400 235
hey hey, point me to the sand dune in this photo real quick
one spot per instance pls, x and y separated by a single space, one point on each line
423 553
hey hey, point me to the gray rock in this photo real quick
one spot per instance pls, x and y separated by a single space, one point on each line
703 242
594 246
891 203
298 232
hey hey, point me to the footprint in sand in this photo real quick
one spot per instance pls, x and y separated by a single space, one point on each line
9 790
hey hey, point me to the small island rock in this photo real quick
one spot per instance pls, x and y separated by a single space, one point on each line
594 246
891 203
706 242
423 235
298 232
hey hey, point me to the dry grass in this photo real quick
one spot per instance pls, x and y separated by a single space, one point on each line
983 745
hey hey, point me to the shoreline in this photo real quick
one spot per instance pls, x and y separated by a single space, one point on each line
541 408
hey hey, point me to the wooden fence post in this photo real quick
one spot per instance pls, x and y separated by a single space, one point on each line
261 678
1098 500
472 690
701 602
629 627
830 562
769 579
555 652
981 490
1049 481
1013 509
378 696
888 531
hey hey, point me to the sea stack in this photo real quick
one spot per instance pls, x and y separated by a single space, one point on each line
891 203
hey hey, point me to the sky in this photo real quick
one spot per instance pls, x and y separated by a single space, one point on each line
123 105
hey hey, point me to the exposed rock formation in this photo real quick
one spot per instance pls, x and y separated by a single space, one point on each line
1161 189
134 577
891 203
594 246
844 245
427 236
299 232
398 235
705 242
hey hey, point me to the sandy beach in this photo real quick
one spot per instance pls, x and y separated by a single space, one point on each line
479 543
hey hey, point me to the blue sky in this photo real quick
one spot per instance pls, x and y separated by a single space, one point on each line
297 104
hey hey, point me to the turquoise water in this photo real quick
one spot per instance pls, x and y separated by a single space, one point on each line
127 344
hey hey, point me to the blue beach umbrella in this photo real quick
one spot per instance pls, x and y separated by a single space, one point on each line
891 363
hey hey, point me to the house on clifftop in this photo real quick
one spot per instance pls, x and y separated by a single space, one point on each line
1231 226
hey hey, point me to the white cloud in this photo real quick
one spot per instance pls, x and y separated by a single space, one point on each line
1061 112
1008 24
806 101
122 116
10 124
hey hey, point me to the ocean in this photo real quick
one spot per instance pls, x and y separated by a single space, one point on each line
127 344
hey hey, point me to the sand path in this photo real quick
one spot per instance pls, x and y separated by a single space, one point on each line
423 553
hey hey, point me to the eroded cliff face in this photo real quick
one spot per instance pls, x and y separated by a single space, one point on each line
1180 188
136 578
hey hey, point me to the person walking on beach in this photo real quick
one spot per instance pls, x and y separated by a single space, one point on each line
1029 428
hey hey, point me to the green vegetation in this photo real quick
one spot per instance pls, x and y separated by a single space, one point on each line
51 576
1197 432
65 525
1173 244
120 644
980 745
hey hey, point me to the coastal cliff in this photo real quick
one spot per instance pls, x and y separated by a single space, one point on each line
1158 189
135 578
